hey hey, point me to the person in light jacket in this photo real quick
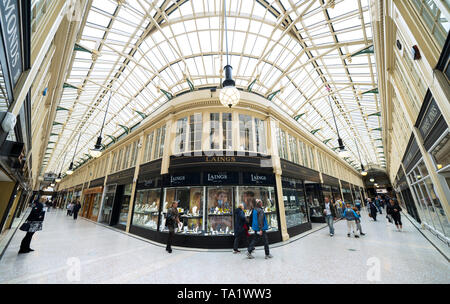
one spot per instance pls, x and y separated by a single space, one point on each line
260 226
35 220
351 216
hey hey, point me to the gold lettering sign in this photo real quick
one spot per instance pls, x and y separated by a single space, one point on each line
220 159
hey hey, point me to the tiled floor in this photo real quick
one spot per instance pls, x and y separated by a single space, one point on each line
69 251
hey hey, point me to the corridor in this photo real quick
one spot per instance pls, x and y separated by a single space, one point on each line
69 251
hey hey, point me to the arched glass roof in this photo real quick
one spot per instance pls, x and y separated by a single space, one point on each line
133 49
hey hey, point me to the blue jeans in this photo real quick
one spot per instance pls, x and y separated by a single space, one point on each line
330 222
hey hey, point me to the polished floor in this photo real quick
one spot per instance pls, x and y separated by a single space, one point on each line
69 251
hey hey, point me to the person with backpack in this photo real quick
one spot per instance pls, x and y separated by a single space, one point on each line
393 209
259 226
172 219
240 225
350 215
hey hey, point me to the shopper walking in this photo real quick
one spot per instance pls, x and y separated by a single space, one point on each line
358 221
172 220
330 214
358 204
350 215
259 225
339 208
393 209
240 232
33 223
75 210
70 208
378 204
372 209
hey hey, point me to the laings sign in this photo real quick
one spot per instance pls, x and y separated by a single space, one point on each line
220 159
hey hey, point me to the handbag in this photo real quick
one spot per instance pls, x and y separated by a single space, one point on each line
25 226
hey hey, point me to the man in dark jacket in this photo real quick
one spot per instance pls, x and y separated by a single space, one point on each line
76 208
239 230
259 225
393 209
172 220
372 209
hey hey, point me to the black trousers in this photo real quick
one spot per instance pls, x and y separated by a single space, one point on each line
25 244
397 218
256 238
237 239
75 215
374 215
170 238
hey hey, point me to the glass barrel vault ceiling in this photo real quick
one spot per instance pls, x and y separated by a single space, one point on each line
132 49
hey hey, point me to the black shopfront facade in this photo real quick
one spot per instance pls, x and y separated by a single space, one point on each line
117 198
208 189
296 207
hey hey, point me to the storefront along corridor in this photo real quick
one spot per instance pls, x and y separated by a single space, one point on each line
80 251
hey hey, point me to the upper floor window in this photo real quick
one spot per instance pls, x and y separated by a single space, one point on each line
293 149
195 134
260 130
434 18
245 133
148 147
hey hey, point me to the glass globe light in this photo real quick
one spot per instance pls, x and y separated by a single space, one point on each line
344 153
95 153
364 173
229 96
57 179
69 172
371 180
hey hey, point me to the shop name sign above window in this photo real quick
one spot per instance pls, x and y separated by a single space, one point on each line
430 118
221 178
258 179
220 159
10 17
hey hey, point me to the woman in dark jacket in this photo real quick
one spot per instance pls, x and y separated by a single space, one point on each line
393 209
373 209
76 208
239 227
34 219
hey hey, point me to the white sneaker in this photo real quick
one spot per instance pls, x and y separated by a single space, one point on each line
250 256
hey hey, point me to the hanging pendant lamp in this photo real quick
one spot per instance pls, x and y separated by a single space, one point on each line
97 151
363 171
343 152
70 171
229 95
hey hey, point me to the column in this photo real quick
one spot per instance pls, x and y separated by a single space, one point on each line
139 158
273 151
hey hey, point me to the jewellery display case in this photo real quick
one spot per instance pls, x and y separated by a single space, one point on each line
125 206
219 210
248 195
294 202
190 209
146 208
315 202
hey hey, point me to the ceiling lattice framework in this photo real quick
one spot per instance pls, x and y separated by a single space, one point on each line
136 51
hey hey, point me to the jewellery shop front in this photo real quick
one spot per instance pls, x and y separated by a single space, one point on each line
208 189
92 199
116 201
294 196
